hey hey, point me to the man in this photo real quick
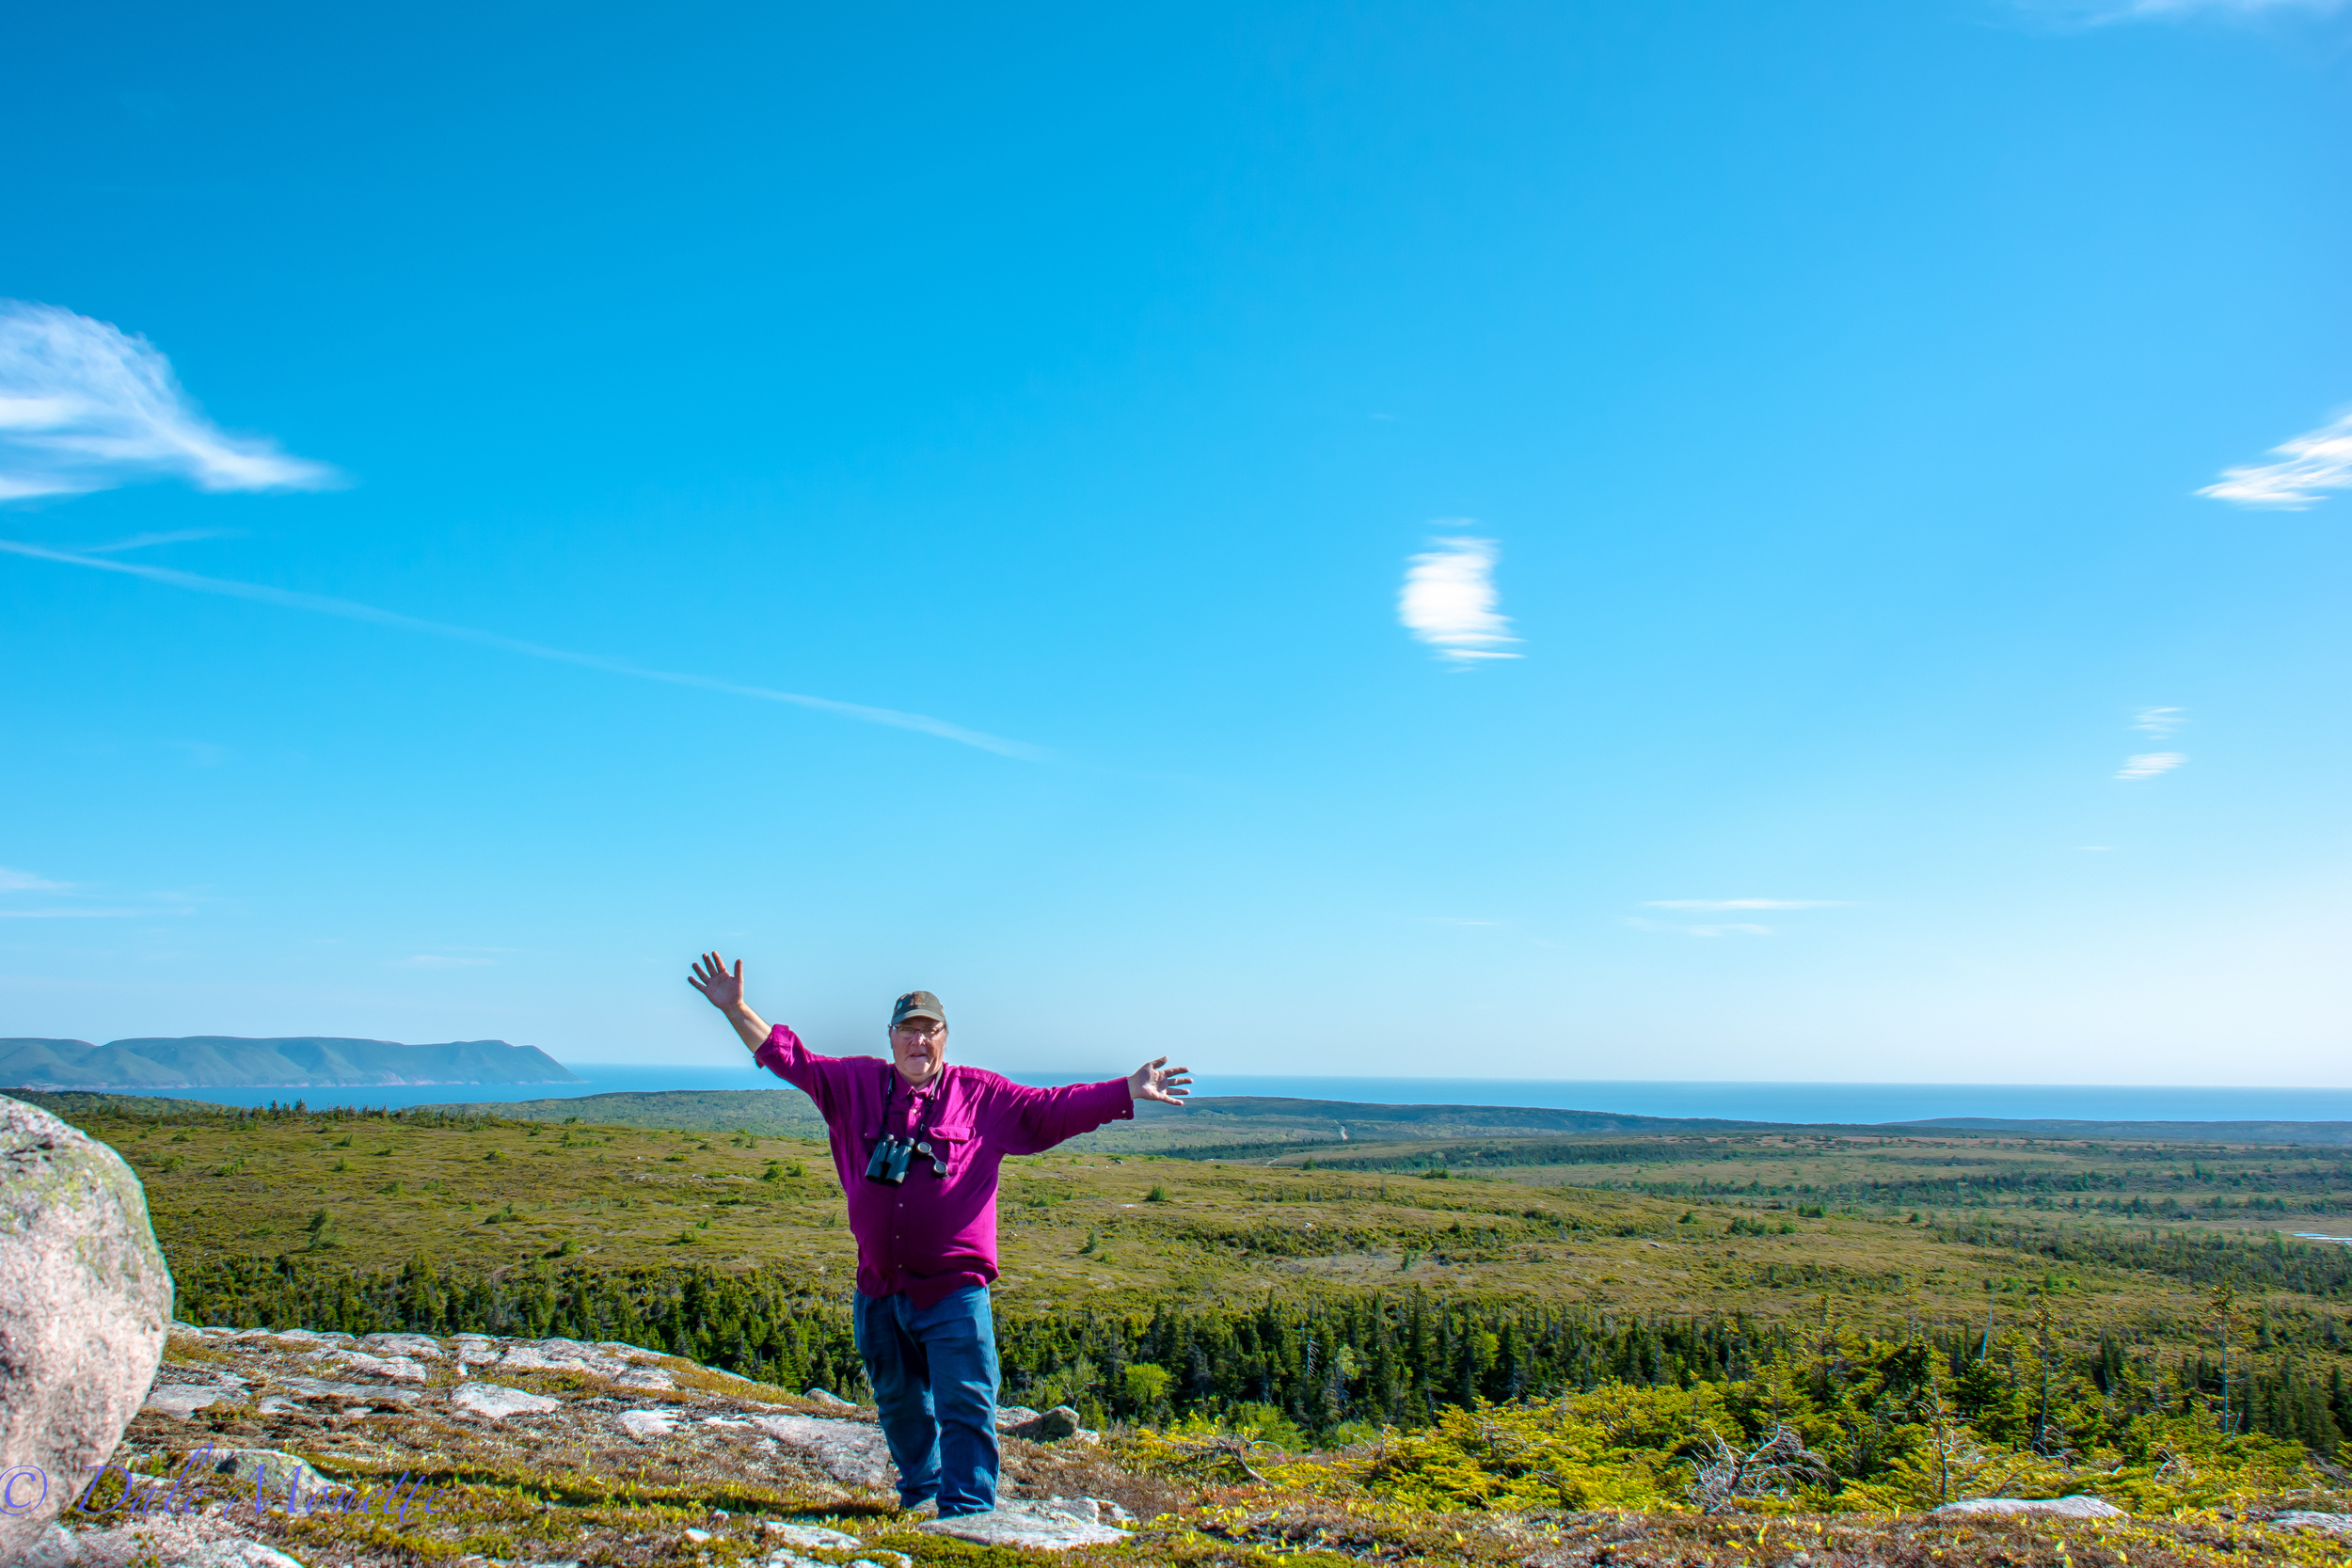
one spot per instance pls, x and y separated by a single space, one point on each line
917 1144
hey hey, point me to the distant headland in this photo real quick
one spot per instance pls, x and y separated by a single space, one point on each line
225 1062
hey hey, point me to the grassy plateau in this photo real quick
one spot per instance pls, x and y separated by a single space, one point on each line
1522 1313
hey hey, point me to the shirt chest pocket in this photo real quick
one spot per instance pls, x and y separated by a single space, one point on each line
952 1145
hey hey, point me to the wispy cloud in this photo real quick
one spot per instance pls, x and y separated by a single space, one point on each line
87 913
2159 722
1448 600
2096 12
440 960
2150 764
2313 463
178 536
1725 906
1736 929
2224 7
13 881
319 604
1744 903
85 406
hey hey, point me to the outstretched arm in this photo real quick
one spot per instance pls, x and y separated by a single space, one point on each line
724 992
1025 1120
1156 1080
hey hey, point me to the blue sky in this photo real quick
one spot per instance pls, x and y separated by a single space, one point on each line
1639 541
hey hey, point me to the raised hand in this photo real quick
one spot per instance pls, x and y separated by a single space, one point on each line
723 991
1156 1080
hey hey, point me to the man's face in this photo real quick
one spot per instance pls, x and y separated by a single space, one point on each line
920 1046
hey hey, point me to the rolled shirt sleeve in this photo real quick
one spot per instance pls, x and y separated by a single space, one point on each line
822 1077
1030 1121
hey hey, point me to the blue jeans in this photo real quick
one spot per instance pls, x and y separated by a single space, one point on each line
934 1374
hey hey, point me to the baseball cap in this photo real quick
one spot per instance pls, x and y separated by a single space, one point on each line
916 1003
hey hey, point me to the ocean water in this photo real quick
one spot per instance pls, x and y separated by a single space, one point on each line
1859 1103
1862 1103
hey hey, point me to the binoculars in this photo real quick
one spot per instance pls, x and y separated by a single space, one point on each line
891 1157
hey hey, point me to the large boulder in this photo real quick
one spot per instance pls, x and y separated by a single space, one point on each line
85 1299
1059 1422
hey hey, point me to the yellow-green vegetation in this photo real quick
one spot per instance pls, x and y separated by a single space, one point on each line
1308 1513
1870 1427
481 1195
1762 1224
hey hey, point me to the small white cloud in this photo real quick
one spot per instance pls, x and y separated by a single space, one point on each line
439 961
1729 931
2159 722
1448 601
85 406
2149 765
24 882
2317 461
1744 904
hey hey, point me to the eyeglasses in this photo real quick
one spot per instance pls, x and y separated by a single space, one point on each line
920 1031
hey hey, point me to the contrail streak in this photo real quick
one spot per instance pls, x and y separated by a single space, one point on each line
319 604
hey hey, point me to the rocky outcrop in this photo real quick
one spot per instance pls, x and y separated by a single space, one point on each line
2304 1519
1051 1523
852 1453
168 1544
2061 1508
494 1401
808 1538
85 1299
243 1444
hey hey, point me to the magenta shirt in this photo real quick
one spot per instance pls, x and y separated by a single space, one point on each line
934 1234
